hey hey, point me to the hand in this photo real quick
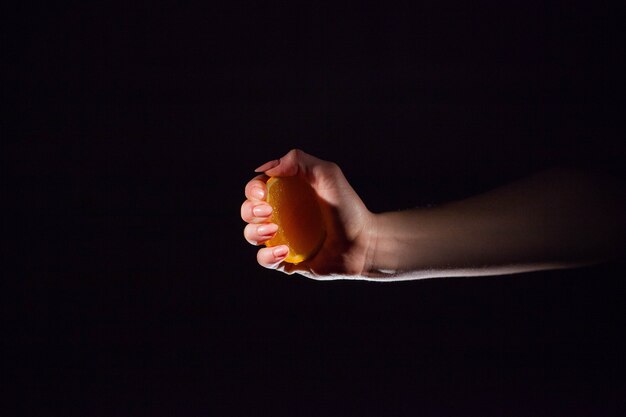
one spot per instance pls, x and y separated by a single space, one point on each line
349 224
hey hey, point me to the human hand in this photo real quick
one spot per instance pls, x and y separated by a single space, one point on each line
349 235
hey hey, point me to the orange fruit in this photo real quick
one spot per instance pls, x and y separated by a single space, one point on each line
297 212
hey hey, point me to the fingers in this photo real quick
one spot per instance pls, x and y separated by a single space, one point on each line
255 212
257 234
293 163
255 189
272 257
267 165
255 209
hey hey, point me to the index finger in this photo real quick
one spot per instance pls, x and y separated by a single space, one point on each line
255 188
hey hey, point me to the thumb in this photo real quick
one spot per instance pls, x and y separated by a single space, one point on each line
295 162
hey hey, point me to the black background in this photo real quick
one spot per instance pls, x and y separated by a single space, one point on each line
132 130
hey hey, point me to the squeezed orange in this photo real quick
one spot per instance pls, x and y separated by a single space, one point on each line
298 214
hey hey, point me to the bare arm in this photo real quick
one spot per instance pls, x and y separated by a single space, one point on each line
555 219
559 218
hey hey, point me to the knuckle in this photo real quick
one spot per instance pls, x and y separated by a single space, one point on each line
261 258
295 153
247 234
251 186
247 189
333 167
243 210
251 236
246 211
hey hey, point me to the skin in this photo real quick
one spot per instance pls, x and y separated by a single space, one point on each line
554 219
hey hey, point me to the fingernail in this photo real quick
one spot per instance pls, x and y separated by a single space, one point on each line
257 193
262 210
267 165
280 252
267 229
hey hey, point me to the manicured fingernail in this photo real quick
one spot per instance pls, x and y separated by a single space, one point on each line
262 210
257 193
267 229
267 165
280 252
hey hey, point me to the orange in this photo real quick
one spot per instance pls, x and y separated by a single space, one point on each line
297 212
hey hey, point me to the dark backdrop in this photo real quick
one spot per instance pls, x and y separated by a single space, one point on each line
132 130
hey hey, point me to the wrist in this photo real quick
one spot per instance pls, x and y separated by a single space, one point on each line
371 233
401 242
382 255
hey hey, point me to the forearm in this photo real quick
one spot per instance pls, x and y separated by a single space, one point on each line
555 219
